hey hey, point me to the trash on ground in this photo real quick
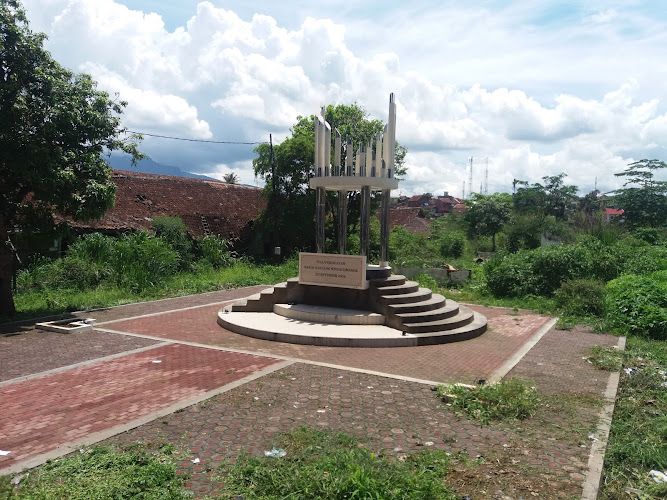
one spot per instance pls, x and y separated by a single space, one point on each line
3 453
629 371
591 436
658 477
275 453
17 479
156 361
195 460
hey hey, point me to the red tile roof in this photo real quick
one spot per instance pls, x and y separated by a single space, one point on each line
614 211
227 208
408 218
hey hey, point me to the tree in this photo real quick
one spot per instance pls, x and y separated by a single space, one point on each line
55 127
645 205
551 198
291 204
230 178
486 215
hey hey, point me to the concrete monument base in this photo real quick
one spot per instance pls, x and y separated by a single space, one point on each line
391 312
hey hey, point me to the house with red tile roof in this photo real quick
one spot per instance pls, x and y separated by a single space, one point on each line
611 213
206 207
409 218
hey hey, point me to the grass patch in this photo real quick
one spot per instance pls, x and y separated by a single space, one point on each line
333 466
513 399
103 472
48 301
476 293
638 437
606 358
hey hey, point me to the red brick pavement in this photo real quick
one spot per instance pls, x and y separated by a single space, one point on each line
27 351
556 363
394 416
42 414
456 362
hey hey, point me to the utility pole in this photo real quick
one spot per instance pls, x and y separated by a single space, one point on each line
274 235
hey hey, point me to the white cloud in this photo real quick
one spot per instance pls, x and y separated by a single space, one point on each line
537 95
149 110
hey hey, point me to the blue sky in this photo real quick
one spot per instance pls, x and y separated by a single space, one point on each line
537 87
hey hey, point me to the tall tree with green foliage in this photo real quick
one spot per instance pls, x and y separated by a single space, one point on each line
553 197
54 129
645 200
486 215
291 207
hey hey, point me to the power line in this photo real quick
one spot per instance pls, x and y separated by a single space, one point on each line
191 140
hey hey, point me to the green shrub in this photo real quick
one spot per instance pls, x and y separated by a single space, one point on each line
523 232
452 245
427 281
175 233
638 305
645 260
74 272
93 247
141 261
648 234
511 275
69 272
554 264
581 297
215 250
407 249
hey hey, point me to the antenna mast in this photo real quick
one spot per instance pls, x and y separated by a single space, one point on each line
470 179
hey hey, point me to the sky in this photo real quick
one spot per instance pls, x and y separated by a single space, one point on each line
531 89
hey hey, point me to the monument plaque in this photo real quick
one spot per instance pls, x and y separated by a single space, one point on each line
327 269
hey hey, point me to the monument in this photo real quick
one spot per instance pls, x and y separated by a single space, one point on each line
342 300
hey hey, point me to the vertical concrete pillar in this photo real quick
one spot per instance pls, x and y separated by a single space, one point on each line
384 228
342 221
365 221
319 222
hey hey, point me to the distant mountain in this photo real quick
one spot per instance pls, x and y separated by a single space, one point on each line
148 166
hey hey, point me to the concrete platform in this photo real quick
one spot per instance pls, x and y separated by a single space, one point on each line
277 328
323 314
271 326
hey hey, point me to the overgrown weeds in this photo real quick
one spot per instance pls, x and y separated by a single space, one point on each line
638 437
606 358
103 472
513 399
326 465
44 299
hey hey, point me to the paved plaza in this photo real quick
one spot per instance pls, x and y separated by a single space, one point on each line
166 371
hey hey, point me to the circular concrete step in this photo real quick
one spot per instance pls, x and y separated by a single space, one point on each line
273 327
331 315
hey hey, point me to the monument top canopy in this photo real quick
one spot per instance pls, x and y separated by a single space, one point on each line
372 166
371 169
